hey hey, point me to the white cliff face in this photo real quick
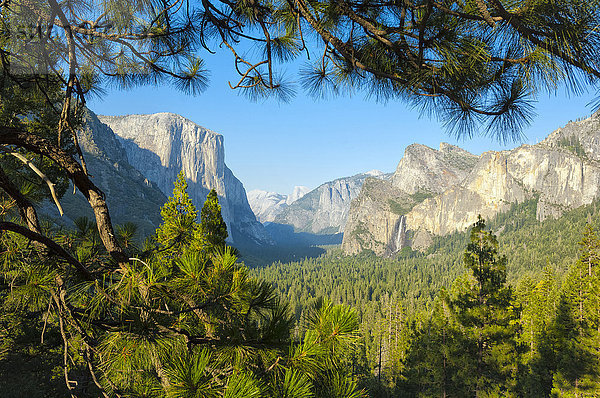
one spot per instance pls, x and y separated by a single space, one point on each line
163 144
487 190
563 172
423 169
377 218
578 136
130 196
298 192
267 205
324 210
371 221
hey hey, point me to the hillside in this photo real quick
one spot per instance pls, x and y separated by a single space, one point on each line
416 277
435 193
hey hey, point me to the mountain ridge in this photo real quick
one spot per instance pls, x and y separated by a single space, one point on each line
563 171
267 205
324 210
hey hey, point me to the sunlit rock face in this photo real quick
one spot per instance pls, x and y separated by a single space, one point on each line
161 145
267 205
424 169
324 210
377 218
562 172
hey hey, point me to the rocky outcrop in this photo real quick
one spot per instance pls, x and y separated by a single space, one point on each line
487 190
163 144
423 169
373 219
267 205
324 210
562 172
377 219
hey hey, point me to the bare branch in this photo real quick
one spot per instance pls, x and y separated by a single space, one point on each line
41 175
95 197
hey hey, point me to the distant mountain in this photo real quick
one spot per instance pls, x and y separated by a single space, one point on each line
435 193
267 205
324 210
161 145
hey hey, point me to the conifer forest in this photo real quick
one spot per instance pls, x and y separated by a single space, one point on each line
193 298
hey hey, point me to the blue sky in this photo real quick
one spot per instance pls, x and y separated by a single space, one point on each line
275 146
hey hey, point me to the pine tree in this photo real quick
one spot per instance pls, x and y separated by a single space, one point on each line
576 329
179 227
539 301
212 227
436 364
485 310
177 322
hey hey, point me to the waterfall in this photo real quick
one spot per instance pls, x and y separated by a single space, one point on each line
400 240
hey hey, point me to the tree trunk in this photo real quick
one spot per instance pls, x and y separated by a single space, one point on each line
95 197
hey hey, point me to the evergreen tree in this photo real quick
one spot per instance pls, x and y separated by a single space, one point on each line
575 332
436 364
212 226
179 227
539 301
485 311
187 324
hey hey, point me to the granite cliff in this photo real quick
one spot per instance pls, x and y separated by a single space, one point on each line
324 210
161 145
562 172
377 218
131 197
267 205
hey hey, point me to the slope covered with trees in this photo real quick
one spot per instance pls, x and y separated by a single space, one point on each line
417 276
185 320
419 310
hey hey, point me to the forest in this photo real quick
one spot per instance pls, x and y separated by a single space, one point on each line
474 315
94 310
410 307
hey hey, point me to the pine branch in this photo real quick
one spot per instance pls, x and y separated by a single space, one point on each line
49 243
41 175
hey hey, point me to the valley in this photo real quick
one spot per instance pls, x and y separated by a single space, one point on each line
390 246
299 199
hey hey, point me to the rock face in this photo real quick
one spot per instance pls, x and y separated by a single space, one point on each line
423 169
377 219
163 144
298 192
562 172
324 210
131 197
267 205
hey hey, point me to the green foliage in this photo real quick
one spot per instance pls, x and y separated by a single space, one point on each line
176 321
213 228
574 145
28 103
487 315
404 317
575 331
398 208
179 228
404 206
195 323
